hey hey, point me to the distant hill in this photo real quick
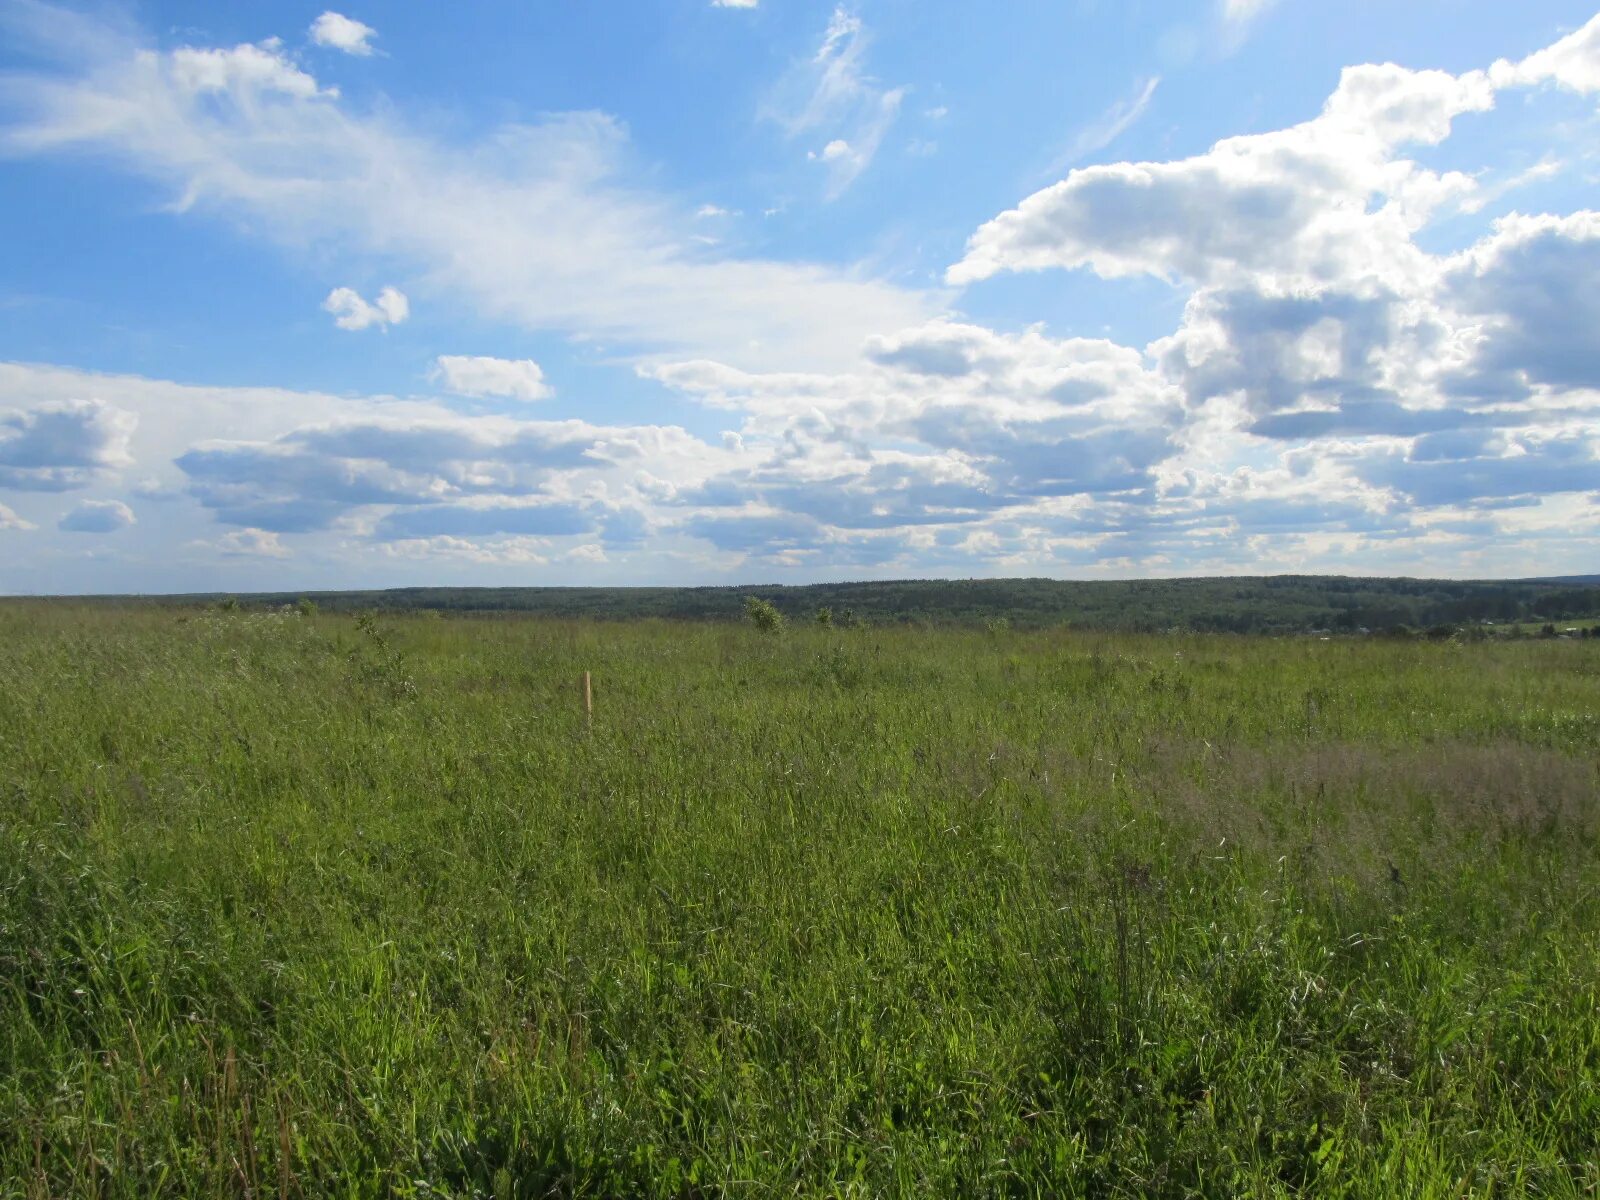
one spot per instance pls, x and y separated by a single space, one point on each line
1263 604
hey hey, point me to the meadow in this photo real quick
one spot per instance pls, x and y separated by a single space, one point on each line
319 905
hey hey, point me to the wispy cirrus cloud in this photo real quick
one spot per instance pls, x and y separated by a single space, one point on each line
1119 117
1338 390
537 224
832 98
1242 12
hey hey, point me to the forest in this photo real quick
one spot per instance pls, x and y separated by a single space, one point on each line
1279 604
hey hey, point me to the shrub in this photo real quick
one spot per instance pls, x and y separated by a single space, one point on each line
763 614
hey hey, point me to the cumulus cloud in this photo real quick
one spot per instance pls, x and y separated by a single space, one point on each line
339 32
1572 63
251 543
1524 467
453 476
98 516
350 311
1323 200
471 375
1332 384
1319 201
1531 290
941 424
61 445
537 224
513 551
1331 368
10 520
1339 391
306 479
258 69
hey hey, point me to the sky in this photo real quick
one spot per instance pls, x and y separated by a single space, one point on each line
520 292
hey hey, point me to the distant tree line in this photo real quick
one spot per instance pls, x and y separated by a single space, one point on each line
1253 605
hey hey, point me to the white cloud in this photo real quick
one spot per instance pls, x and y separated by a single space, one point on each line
10 520
471 375
1298 203
1111 124
253 543
60 445
1333 388
350 311
832 93
444 474
1327 199
944 425
339 32
512 551
1545 168
247 543
1336 395
154 423
1242 12
535 225
247 69
1528 304
98 516
734 3
1572 63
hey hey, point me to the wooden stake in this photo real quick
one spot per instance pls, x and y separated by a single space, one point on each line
588 702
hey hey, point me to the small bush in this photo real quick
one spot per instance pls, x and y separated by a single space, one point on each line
763 614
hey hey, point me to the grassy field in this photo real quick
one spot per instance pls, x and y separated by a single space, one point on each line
307 906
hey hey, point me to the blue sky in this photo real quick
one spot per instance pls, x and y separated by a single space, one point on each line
690 292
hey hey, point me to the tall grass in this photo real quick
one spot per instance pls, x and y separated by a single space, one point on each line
304 906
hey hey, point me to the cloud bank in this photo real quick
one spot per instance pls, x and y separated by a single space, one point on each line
1342 386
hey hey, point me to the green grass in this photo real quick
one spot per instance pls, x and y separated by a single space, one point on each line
303 907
